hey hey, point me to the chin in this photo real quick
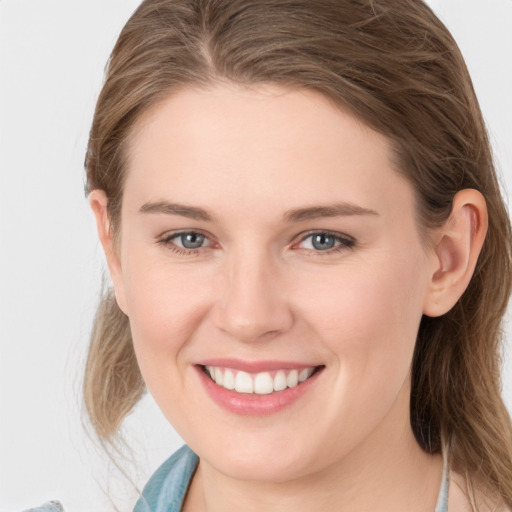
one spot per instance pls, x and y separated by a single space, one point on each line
272 461
269 470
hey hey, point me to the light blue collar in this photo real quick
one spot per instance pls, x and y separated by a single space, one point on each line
442 499
166 490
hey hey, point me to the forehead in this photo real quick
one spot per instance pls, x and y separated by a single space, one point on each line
240 146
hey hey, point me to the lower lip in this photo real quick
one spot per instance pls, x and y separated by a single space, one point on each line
252 404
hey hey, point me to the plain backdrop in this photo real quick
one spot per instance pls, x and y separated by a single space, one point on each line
52 55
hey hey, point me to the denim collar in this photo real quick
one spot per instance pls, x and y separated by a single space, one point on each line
166 490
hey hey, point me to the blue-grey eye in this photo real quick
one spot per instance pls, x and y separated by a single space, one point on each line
191 240
323 241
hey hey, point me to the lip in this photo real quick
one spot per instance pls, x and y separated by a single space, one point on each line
246 404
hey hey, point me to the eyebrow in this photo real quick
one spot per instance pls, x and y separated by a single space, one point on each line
335 210
295 215
191 212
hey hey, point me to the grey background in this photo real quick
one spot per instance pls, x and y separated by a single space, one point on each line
52 55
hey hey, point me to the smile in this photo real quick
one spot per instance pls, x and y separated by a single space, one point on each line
256 388
262 383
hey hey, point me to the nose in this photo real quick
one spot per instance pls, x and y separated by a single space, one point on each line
252 303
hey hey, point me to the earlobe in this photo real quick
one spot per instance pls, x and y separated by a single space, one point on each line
457 246
98 202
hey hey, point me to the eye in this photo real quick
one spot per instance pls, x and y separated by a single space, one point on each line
326 242
190 240
186 242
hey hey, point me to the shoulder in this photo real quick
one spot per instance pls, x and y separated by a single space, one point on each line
167 487
459 499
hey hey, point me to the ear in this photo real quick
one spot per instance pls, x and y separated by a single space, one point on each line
457 245
98 202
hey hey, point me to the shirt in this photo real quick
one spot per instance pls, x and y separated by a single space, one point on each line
166 489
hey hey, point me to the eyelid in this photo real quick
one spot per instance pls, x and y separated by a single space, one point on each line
334 234
345 241
177 234
168 238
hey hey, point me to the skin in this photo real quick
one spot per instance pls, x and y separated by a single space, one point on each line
259 290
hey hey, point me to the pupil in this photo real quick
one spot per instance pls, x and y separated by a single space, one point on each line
192 240
323 242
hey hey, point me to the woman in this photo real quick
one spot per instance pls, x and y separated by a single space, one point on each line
310 258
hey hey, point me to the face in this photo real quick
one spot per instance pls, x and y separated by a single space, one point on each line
267 239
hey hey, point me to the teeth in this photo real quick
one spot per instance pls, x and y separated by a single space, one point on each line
280 381
263 384
218 376
260 383
293 378
243 383
229 380
305 374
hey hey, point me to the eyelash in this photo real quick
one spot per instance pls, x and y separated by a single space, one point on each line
344 242
167 242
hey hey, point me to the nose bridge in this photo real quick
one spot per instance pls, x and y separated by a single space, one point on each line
252 303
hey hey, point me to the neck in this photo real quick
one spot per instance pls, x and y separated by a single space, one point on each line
387 472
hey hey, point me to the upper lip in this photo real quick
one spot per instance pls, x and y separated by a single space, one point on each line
255 366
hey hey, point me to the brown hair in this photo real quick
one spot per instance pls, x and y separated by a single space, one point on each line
395 66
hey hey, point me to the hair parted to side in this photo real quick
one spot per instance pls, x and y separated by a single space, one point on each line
393 65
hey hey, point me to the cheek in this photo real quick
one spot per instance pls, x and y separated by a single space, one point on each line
160 306
368 314
165 306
